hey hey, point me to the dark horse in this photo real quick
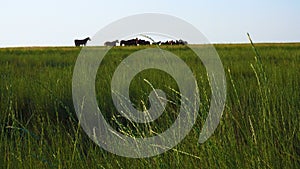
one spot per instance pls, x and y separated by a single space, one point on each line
81 42
131 42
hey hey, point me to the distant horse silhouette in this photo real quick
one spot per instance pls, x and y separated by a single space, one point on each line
156 43
177 42
81 42
134 42
113 43
165 43
143 42
181 42
131 42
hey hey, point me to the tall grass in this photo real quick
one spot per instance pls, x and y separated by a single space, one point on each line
259 127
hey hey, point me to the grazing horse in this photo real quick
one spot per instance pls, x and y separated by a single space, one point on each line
113 43
143 42
131 42
156 43
177 42
81 42
181 42
165 43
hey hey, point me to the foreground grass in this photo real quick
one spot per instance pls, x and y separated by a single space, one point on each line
259 127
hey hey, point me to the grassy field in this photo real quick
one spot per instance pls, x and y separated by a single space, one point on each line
259 128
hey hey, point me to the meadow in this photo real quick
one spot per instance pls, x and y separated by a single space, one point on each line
259 127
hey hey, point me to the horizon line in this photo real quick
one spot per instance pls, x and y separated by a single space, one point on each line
213 43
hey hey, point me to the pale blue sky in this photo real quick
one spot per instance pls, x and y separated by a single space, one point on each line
59 22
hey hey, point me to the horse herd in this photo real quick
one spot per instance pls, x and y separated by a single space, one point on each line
132 42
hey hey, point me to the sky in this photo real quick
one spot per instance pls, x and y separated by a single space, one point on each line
59 22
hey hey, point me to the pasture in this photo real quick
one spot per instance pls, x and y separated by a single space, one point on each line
259 127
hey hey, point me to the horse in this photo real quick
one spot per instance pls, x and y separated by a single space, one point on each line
181 42
81 42
131 42
113 43
143 42
165 43
156 43
176 42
